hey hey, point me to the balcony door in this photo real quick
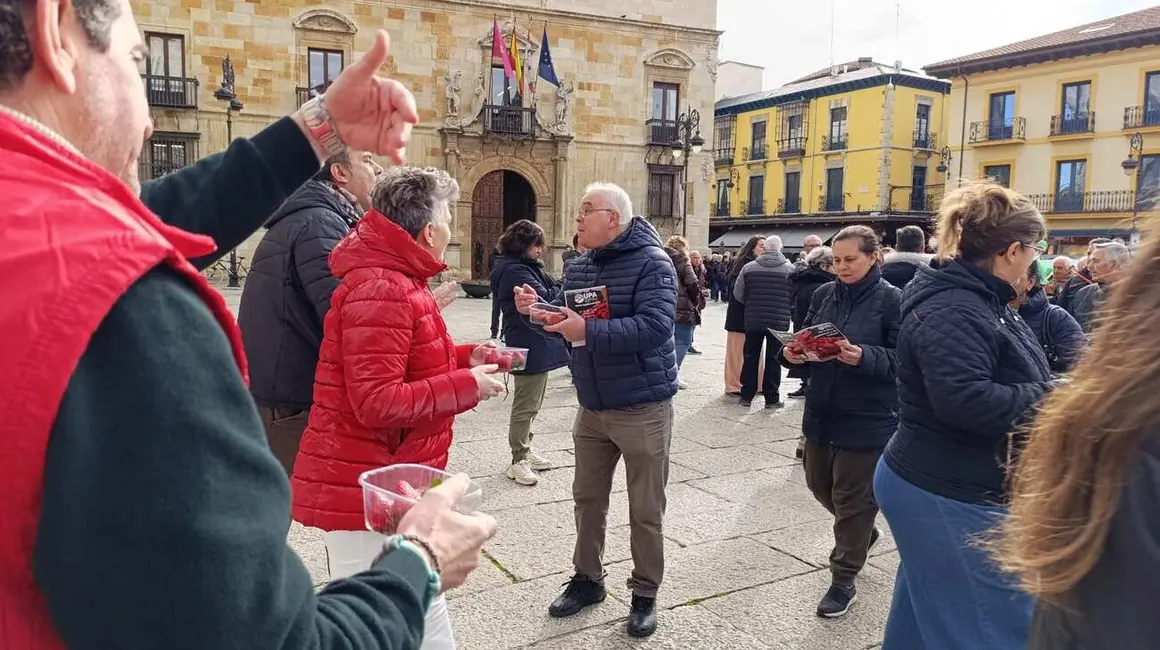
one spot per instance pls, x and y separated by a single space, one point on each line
835 195
165 70
1001 118
1001 174
665 101
756 203
838 126
757 140
324 68
1148 188
1073 114
922 126
1152 99
793 192
1070 180
722 197
918 189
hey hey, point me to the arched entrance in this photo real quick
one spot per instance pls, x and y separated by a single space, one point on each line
499 199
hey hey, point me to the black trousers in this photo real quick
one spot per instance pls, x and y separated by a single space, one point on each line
771 382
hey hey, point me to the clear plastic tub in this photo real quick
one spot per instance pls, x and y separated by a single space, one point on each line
390 492
543 314
507 358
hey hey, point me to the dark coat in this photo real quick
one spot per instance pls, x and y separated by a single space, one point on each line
1058 333
735 311
690 301
629 359
970 371
805 281
899 268
1086 304
764 286
544 354
287 294
1067 294
846 406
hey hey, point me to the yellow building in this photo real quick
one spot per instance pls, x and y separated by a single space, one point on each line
1054 117
855 143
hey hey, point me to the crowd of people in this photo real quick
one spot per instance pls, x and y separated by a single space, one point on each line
155 451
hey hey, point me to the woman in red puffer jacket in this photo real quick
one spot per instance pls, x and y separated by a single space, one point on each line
390 380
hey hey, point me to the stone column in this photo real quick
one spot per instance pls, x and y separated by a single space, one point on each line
453 257
560 165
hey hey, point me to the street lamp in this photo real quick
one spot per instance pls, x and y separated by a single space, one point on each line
226 94
688 140
1131 166
944 160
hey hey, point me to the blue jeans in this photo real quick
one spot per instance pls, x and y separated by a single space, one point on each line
949 594
682 339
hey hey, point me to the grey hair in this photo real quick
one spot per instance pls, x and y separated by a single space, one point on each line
616 196
1115 252
96 18
1070 262
820 257
413 196
773 243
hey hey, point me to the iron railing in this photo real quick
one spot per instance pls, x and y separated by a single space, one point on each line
924 139
755 207
986 131
509 120
921 202
832 203
723 157
721 210
661 132
1077 123
302 95
165 153
1136 117
170 92
791 205
791 147
757 151
830 143
1079 202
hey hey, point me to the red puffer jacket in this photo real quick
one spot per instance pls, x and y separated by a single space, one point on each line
389 381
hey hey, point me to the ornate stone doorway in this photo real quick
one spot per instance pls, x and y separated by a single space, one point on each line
500 198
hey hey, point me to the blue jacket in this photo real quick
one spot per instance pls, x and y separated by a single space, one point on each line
765 287
1056 330
628 359
969 372
846 406
544 354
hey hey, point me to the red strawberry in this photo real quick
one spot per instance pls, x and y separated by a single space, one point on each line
407 490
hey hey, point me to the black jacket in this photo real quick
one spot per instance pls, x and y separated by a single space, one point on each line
161 466
544 354
1058 333
1114 606
1067 294
765 288
970 371
805 281
899 268
846 406
287 294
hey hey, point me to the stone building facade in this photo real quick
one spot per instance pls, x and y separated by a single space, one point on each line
628 74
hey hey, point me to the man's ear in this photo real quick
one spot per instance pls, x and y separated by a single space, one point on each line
340 173
56 39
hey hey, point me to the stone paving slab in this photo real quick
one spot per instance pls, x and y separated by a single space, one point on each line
553 553
683 628
813 541
730 460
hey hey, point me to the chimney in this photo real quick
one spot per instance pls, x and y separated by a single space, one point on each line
833 71
898 66
865 59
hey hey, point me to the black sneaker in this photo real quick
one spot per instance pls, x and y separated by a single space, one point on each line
775 404
693 350
642 621
874 535
798 394
579 592
837 601
745 402
800 453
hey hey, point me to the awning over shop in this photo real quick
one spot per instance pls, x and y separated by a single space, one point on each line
792 238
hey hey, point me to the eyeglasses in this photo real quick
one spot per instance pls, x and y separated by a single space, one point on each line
582 212
1038 252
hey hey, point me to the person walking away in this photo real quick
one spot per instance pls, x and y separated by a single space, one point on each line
899 267
1107 263
689 300
735 319
139 487
819 270
287 294
625 371
714 276
518 264
969 374
1058 334
727 275
495 313
851 405
765 288
390 397
698 263
1082 532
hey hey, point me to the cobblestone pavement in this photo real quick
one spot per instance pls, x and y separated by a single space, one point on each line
747 543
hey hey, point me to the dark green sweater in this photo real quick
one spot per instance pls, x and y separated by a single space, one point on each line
164 515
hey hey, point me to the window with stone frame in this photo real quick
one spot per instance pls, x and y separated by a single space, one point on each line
165 153
663 185
323 67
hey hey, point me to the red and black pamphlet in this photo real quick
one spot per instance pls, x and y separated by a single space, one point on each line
818 343
590 303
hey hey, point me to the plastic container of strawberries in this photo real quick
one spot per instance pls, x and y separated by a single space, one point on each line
390 492
507 358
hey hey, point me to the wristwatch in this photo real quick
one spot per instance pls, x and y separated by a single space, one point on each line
320 126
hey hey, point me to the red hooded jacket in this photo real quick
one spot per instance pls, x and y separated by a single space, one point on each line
389 382
75 238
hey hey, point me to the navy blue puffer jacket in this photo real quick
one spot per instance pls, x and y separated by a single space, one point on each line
544 354
855 407
628 359
969 371
1055 329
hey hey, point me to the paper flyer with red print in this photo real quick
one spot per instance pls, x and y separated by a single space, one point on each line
818 343
589 303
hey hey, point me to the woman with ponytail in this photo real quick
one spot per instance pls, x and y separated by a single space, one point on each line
970 372
735 319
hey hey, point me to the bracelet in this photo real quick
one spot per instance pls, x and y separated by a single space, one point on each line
416 546
421 543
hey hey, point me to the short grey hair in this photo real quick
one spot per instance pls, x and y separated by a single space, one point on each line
1115 252
413 196
820 257
96 18
773 243
1070 262
616 196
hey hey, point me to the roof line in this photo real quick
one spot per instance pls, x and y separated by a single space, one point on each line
742 105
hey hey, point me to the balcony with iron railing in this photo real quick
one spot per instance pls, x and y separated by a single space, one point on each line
792 147
661 132
921 201
828 203
302 95
757 151
165 153
1003 131
834 143
515 121
1102 201
170 92
924 139
791 205
723 157
1138 117
755 207
721 210
1076 124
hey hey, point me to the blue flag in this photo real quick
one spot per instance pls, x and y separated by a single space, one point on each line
547 71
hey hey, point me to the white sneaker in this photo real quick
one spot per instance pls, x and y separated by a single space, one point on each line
522 473
681 384
538 462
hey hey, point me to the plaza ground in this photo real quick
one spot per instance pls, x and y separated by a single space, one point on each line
747 545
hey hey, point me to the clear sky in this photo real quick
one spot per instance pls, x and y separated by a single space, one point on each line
791 38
